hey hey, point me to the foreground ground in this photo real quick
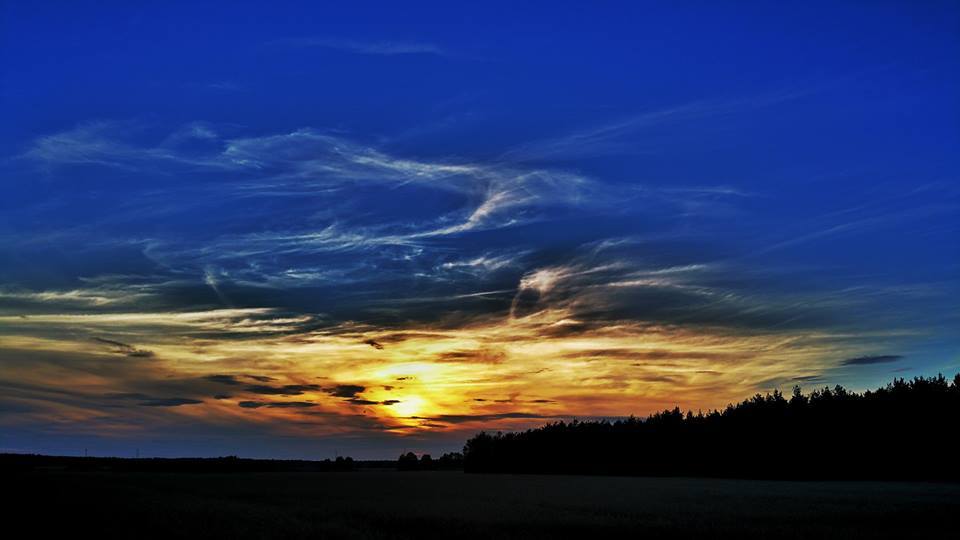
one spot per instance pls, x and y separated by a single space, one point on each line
386 504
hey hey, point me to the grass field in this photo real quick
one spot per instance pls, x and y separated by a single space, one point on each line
387 504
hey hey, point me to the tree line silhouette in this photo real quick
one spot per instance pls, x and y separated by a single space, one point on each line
227 464
905 430
448 461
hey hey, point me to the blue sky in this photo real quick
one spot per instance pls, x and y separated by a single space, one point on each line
594 209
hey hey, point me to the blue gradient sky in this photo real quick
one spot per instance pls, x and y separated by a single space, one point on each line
411 222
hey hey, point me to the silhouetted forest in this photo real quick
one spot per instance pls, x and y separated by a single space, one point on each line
906 430
449 461
229 464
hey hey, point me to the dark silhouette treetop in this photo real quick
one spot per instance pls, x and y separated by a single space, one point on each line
903 430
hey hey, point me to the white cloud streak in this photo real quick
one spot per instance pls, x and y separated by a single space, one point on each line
379 48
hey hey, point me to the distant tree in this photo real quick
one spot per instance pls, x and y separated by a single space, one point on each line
408 462
427 463
450 460
343 464
478 452
798 400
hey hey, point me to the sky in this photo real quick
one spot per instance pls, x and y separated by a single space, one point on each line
302 230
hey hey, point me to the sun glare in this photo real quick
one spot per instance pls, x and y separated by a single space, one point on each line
409 406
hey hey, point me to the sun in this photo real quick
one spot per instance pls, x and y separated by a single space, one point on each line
409 406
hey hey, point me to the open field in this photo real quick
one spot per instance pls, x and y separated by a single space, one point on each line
387 504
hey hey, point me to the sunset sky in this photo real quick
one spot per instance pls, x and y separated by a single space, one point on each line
311 229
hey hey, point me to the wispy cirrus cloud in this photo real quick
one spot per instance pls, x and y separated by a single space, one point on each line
124 348
308 162
170 402
371 47
626 134
101 142
870 360
277 404
85 297
320 167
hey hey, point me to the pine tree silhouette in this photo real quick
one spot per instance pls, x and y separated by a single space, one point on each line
905 430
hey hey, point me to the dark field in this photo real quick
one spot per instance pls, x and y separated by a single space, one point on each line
387 504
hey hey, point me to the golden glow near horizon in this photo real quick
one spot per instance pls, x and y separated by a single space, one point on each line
493 374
